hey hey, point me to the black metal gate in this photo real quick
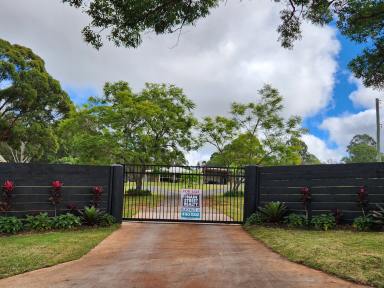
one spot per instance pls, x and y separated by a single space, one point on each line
184 193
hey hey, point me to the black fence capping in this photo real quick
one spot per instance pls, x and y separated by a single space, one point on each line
251 190
117 192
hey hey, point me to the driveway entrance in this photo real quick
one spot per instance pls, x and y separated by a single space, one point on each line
177 255
184 194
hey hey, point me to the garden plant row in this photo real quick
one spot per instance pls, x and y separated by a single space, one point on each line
90 216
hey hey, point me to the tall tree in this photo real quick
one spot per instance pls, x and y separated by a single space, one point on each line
83 140
361 148
255 134
153 126
126 22
306 157
31 102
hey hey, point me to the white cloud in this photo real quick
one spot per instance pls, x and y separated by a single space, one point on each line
226 57
319 148
195 157
342 129
363 96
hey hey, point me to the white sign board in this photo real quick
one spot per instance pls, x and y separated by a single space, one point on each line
190 204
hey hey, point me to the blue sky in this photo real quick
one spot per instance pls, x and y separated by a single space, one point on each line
341 103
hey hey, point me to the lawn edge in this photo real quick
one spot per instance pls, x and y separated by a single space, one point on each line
115 226
309 265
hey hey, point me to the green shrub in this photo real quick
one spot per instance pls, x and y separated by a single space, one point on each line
274 211
363 223
39 222
378 215
323 222
255 219
134 192
106 219
66 221
10 225
233 194
294 220
90 216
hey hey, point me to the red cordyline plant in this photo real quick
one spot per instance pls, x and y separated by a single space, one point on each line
55 194
338 214
306 199
73 209
8 187
362 198
96 191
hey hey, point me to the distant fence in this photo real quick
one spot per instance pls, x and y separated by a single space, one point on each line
33 185
332 186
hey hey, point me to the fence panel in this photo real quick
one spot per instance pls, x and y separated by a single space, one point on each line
33 185
332 186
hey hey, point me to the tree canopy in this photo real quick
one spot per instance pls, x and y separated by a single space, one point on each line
126 21
256 133
31 102
152 126
361 148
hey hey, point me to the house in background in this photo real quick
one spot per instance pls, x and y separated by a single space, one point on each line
173 174
213 175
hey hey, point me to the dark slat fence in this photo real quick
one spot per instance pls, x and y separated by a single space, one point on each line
33 183
333 186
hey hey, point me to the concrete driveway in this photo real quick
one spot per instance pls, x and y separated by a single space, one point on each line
177 255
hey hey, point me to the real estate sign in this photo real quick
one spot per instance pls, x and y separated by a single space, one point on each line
190 204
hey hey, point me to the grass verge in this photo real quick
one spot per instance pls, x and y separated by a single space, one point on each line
350 255
136 204
27 252
228 205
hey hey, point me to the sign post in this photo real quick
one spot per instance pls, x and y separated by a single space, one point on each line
190 204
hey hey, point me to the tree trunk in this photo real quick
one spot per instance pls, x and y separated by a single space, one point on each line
139 179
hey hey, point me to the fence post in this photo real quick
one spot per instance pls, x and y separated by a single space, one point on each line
251 190
117 192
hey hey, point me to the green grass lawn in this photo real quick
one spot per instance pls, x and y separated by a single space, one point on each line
26 252
135 204
347 254
230 206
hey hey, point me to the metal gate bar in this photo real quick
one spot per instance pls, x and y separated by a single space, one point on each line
153 192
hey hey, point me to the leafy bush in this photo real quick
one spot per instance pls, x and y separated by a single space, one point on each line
363 223
73 209
296 220
274 211
66 221
323 222
39 222
255 219
378 215
233 194
134 192
90 216
106 219
10 225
